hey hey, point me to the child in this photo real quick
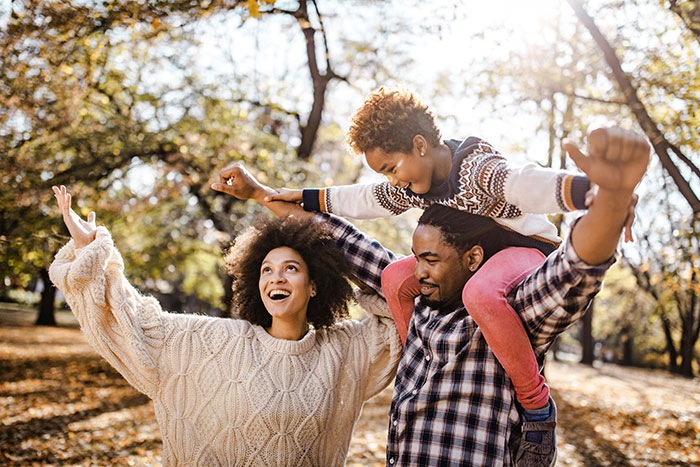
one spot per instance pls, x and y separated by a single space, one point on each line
399 137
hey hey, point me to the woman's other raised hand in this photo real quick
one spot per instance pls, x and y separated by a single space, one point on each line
83 232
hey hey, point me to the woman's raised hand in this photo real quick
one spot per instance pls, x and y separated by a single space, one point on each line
82 232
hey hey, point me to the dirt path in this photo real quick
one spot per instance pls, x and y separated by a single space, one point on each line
60 404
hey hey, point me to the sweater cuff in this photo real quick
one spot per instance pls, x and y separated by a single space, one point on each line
314 199
571 192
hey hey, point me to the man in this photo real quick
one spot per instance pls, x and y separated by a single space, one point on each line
452 403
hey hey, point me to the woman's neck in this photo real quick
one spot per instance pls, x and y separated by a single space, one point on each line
442 164
288 330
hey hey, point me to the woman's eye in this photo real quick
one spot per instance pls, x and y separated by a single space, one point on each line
291 268
265 270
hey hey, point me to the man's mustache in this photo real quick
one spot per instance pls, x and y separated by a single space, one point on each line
429 284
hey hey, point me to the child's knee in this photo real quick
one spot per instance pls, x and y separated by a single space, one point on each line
396 274
480 295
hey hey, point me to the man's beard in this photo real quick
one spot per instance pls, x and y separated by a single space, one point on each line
439 305
434 304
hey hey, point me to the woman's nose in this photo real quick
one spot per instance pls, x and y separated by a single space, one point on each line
277 277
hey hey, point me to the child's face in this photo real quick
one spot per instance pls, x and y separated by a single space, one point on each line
405 170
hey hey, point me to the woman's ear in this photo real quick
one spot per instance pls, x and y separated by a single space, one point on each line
472 259
420 145
313 289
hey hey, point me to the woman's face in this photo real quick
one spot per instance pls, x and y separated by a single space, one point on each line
285 285
405 170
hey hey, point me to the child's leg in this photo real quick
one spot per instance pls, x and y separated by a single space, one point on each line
400 288
484 295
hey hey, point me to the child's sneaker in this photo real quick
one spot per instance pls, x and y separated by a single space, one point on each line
538 445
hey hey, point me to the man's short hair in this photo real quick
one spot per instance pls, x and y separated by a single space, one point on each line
463 230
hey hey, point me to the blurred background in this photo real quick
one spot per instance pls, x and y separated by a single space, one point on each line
136 104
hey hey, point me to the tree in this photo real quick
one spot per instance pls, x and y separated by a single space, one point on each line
663 148
83 103
667 267
689 12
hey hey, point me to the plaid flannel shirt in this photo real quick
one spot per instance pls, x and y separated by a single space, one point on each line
453 403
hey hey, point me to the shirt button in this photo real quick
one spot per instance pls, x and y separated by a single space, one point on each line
414 392
396 422
427 357
391 461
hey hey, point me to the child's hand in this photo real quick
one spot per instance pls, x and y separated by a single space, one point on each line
82 232
630 218
285 194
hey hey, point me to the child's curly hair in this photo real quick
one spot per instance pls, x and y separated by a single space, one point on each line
389 119
327 266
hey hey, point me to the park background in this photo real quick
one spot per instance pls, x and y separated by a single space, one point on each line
135 105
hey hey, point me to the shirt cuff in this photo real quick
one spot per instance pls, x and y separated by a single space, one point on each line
571 191
315 199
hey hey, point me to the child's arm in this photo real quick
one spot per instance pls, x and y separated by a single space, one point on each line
487 184
360 201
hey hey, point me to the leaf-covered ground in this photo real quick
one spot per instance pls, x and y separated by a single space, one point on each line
60 404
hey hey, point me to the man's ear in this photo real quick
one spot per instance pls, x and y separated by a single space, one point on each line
472 258
420 144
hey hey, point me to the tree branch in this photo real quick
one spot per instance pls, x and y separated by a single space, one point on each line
658 141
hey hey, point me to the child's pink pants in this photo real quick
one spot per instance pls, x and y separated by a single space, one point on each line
484 297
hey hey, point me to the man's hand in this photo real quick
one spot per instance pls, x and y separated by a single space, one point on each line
616 161
237 181
82 232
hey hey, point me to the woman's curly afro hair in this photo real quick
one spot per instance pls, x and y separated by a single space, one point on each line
389 119
327 266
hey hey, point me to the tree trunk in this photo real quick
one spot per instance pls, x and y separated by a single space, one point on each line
670 346
662 147
319 80
46 305
687 356
627 346
587 344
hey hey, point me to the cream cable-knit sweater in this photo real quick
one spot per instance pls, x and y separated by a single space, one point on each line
225 392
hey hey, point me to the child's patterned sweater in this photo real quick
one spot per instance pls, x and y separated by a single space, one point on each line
480 182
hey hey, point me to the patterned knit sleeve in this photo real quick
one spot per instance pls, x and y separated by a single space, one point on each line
125 328
383 344
557 294
488 185
361 201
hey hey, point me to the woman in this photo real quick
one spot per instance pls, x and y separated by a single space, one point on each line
283 385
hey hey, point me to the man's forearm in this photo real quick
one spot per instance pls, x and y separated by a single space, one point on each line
596 235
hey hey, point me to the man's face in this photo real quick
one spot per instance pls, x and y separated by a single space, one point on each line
441 271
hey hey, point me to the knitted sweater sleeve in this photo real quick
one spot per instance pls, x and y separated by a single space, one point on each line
360 201
383 343
497 189
124 327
